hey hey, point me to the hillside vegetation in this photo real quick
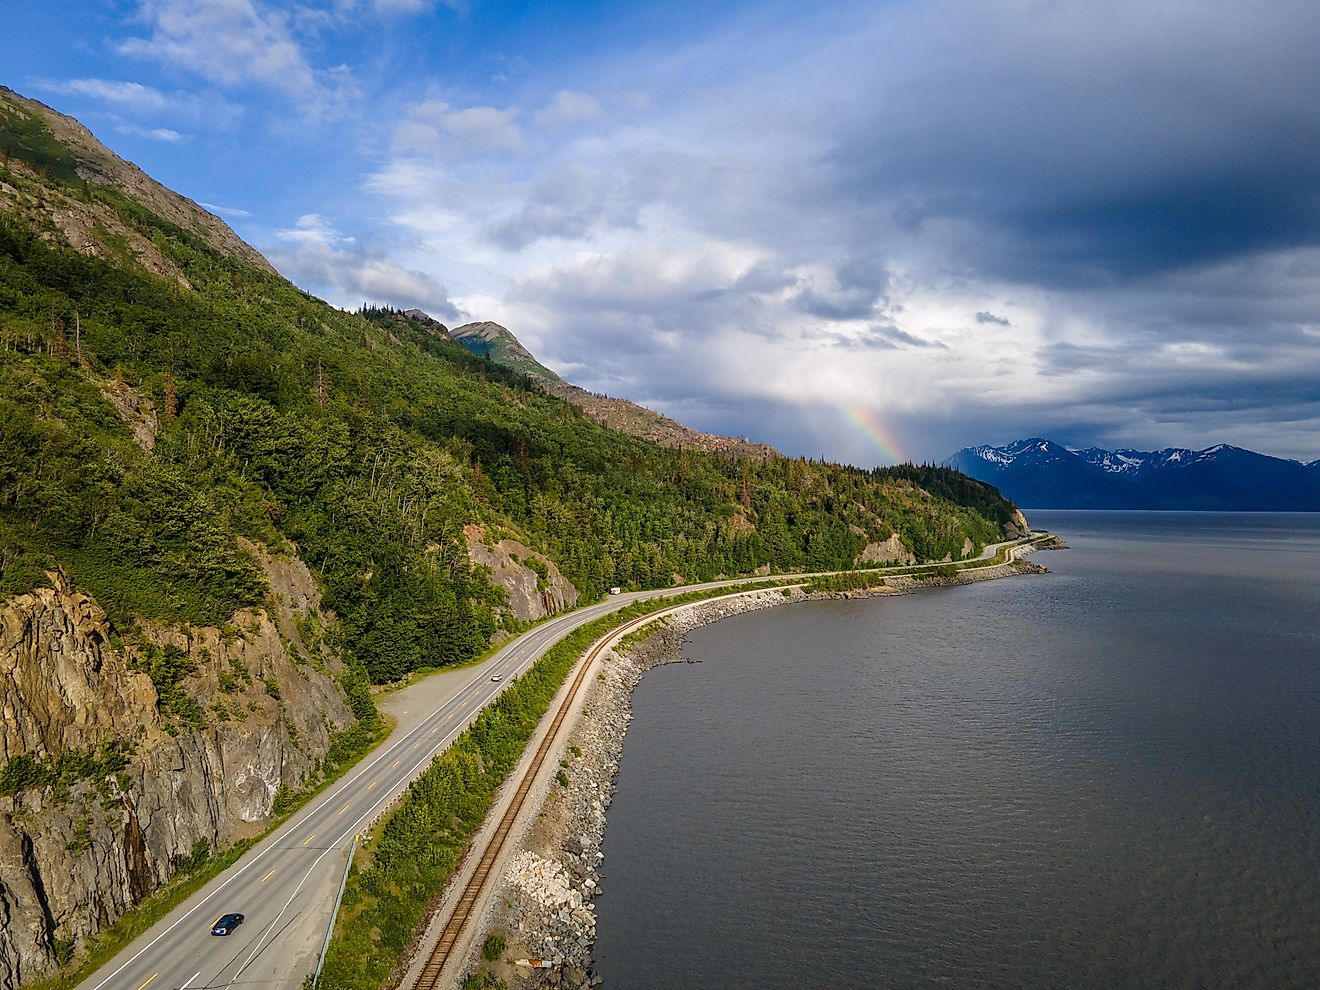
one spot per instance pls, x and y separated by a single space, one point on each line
164 399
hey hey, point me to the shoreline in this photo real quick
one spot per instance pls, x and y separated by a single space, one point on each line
542 909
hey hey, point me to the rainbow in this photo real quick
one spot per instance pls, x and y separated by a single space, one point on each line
869 425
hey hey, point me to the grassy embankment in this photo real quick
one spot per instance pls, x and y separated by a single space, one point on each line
407 859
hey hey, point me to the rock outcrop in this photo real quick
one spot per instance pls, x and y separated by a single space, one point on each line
533 584
1017 527
891 551
121 790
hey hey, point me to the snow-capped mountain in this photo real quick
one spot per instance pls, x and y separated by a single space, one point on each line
1039 473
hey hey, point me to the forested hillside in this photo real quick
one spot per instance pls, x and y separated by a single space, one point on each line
165 402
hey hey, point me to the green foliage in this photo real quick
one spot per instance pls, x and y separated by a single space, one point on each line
369 444
82 836
484 981
167 666
852 581
196 859
422 840
27 138
493 948
25 770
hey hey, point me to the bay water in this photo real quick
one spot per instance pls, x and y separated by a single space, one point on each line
1104 776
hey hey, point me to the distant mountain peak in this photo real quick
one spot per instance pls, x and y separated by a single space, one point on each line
1038 473
489 339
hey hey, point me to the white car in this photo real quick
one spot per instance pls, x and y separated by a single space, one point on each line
497 677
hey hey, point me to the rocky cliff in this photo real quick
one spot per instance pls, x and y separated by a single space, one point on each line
89 226
125 757
890 551
532 584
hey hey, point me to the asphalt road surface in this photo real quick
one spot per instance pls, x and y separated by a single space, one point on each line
286 885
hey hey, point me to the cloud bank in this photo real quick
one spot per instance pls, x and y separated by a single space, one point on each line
960 222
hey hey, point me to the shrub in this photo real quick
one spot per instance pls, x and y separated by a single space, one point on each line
494 947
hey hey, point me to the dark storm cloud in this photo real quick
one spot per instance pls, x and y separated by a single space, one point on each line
1125 197
1078 143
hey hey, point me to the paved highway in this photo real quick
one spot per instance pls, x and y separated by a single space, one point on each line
286 885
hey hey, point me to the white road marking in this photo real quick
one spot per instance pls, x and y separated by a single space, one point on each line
585 616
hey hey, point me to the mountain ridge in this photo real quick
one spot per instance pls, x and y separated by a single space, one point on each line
489 339
1039 473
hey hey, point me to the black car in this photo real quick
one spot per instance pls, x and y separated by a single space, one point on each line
226 924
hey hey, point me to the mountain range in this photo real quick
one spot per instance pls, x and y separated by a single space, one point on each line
1039 473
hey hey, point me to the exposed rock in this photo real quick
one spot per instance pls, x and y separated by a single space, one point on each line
136 410
100 166
1017 527
891 551
518 569
75 856
738 523
429 323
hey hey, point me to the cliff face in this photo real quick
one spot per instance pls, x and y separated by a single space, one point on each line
530 580
99 831
96 163
1019 526
891 551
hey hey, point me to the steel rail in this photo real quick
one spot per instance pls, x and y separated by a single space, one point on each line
429 978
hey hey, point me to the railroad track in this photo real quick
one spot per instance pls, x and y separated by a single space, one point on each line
429 978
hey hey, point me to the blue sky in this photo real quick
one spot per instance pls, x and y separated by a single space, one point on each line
868 231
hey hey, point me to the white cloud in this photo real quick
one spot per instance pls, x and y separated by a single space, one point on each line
786 221
569 107
435 126
237 43
225 211
129 95
166 134
319 258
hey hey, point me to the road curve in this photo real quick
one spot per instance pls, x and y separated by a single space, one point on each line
285 885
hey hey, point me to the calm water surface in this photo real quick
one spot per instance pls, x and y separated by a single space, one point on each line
1107 776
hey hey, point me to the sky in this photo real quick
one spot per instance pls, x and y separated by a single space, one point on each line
867 231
